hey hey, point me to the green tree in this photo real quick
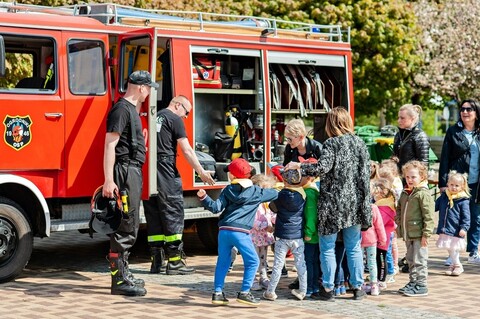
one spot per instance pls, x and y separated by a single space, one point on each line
384 45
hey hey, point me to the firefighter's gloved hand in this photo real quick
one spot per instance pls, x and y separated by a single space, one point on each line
206 177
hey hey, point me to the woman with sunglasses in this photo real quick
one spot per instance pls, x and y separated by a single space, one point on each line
411 142
298 143
460 152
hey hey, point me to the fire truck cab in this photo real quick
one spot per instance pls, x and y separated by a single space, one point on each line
62 68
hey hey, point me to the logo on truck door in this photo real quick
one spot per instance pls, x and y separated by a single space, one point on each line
17 133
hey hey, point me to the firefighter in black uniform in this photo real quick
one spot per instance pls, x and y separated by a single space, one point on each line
123 159
164 212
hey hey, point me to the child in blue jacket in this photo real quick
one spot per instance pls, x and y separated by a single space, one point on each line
289 233
454 219
238 203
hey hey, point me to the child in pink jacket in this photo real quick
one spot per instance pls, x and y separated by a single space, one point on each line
262 231
372 237
384 197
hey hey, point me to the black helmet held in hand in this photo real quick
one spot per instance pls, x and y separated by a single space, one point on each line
106 213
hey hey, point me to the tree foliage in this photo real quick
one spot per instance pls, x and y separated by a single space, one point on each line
21 64
449 44
384 44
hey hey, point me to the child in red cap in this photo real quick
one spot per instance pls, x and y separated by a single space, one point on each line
238 203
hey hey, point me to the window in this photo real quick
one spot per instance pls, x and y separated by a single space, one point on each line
29 64
135 54
86 67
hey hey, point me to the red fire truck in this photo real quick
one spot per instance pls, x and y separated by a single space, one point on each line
62 68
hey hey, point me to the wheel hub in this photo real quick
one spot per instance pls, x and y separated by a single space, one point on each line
7 239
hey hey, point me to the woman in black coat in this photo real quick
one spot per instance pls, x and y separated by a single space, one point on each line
411 142
460 152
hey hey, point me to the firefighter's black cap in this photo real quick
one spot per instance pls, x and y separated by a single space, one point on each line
142 78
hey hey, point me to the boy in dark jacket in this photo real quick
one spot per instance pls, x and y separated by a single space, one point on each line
289 233
238 203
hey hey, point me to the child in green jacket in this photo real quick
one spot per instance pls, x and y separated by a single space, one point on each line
415 225
312 249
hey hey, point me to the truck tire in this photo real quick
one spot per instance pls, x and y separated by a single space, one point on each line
16 240
207 230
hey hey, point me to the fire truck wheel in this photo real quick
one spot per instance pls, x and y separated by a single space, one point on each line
16 240
207 230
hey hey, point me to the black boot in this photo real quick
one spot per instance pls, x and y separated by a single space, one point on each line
159 263
179 267
137 281
176 263
121 284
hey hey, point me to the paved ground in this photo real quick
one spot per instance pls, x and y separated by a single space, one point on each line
67 277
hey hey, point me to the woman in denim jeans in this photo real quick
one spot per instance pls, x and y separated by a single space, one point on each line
344 200
461 152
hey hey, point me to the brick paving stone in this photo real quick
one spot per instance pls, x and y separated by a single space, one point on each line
68 278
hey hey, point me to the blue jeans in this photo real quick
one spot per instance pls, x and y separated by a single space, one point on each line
312 260
473 234
351 239
389 259
339 258
228 239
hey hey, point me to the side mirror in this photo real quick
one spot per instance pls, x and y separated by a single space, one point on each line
2 57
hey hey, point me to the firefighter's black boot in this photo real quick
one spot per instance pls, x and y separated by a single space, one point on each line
176 263
137 281
159 263
121 285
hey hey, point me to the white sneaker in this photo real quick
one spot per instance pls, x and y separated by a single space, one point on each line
450 270
458 270
475 259
382 285
448 261
390 279
256 286
395 270
264 283
297 293
366 288
270 296
375 291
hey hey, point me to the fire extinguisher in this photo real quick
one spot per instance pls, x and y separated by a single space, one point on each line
231 127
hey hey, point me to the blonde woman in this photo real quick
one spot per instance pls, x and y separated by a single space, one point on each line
410 143
298 143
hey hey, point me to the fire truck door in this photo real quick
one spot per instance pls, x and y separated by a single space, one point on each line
33 112
135 51
87 102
